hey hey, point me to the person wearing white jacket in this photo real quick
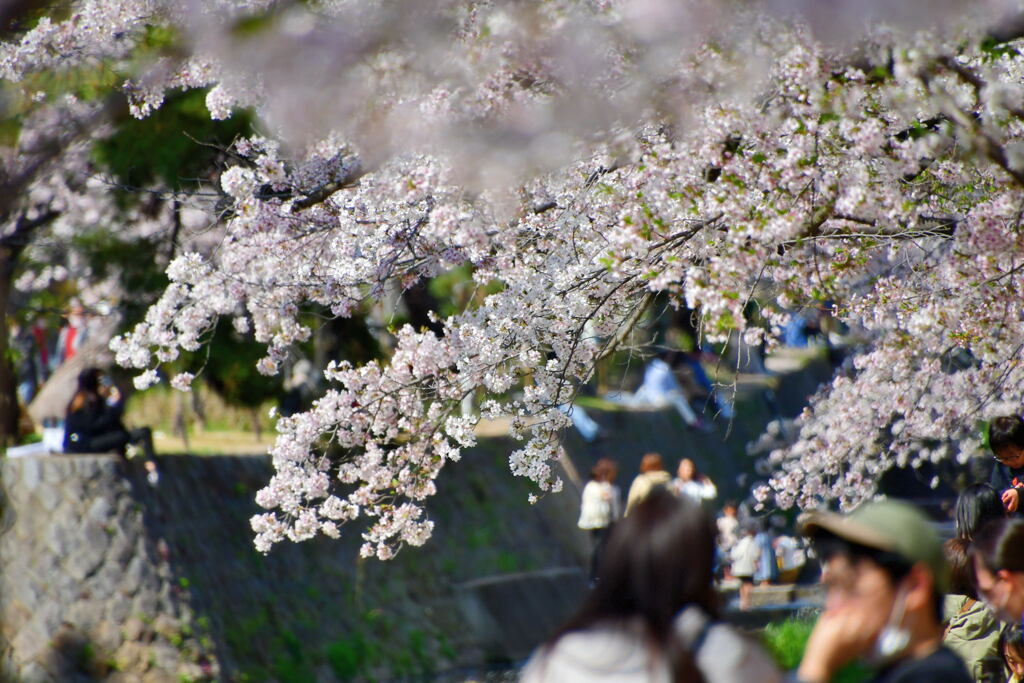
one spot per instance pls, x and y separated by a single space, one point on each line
600 507
690 482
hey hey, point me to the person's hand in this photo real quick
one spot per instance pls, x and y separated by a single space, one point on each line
841 635
113 395
1011 500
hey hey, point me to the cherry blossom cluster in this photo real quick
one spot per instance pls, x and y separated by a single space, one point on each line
888 198
579 159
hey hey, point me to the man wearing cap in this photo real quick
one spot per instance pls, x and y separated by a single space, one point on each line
885 574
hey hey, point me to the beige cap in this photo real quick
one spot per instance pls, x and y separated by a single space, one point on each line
892 525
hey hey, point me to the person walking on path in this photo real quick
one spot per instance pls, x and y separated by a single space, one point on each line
600 507
1006 439
767 565
652 475
885 574
745 558
652 618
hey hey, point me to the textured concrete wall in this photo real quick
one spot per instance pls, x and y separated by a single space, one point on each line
85 588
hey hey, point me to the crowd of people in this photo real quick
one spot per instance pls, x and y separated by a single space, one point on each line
39 350
746 553
898 599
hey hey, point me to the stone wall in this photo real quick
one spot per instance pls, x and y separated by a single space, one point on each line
85 588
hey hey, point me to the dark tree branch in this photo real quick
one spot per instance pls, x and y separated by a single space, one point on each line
24 227
320 194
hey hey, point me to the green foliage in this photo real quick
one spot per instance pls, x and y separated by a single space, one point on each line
456 290
135 262
175 145
785 642
350 657
229 367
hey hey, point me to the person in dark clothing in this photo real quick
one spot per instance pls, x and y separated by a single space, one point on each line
1006 439
885 574
976 506
93 421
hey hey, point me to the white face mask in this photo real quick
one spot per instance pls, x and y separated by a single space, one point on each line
893 638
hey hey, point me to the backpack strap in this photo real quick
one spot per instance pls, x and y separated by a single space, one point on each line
968 604
702 635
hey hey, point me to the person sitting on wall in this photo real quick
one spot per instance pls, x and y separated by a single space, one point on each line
93 422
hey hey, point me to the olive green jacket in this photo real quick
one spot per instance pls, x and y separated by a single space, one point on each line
973 633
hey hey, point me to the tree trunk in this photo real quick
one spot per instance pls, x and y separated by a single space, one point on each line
181 419
198 406
8 384
254 415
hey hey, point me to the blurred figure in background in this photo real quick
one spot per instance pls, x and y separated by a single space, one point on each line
93 422
1011 645
652 475
728 534
972 631
72 335
976 506
652 616
767 565
690 482
600 507
745 558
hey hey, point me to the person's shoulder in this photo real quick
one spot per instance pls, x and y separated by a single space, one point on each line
722 652
942 665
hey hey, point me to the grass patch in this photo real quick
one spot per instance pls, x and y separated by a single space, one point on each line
786 640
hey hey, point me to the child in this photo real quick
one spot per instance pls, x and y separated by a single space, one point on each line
1006 439
728 536
745 557
1011 645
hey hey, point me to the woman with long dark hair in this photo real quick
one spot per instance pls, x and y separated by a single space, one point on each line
653 614
977 505
93 421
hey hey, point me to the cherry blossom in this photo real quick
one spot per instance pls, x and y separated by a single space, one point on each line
581 159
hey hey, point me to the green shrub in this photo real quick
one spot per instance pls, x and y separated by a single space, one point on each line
785 642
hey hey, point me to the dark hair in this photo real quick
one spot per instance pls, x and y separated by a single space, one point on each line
1011 637
658 560
961 567
1000 545
604 469
89 380
895 566
977 505
651 463
88 391
1006 431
